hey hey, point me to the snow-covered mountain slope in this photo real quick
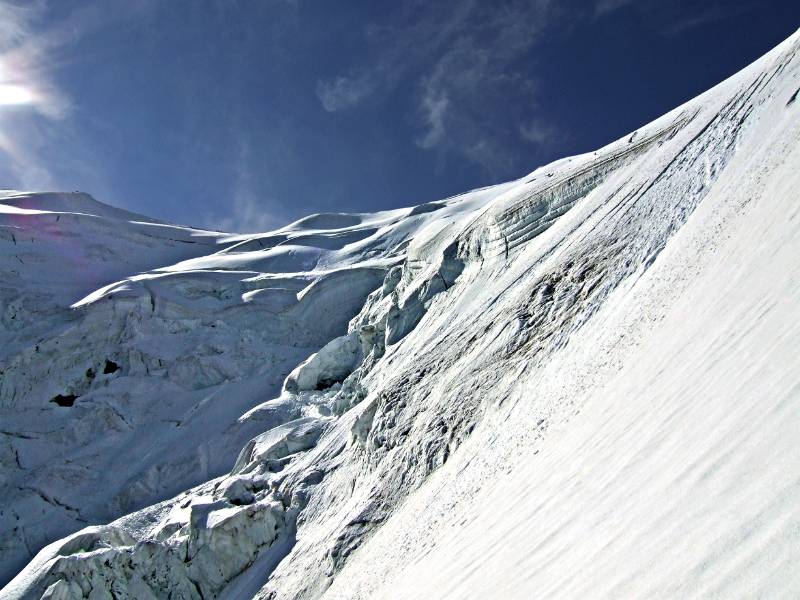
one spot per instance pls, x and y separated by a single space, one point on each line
117 392
584 383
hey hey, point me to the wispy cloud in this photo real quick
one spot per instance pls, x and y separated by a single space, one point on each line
344 92
418 32
248 211
476 75
461 63
538 132
248 214
435 113
711 13
677 17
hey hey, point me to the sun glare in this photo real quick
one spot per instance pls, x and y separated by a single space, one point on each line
11 94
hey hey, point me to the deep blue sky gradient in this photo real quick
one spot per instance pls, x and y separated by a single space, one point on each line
248 114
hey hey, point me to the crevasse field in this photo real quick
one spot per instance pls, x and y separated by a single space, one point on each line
581 384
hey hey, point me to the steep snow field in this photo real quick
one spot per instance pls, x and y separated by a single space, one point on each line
584 383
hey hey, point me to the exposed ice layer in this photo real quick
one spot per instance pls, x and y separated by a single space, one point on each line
583 382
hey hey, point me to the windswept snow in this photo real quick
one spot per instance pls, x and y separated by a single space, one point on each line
583 383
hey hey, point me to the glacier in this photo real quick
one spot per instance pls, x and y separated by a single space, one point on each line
582 383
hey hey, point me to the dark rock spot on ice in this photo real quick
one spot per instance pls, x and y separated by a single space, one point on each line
426 208
111 367
64 399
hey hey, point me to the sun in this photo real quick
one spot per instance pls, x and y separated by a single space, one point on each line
11 94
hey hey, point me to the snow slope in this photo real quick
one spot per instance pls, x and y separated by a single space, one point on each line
584 383
130 350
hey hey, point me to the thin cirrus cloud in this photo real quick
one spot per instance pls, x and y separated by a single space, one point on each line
538 132
435 111
462 64
417 33
674 18
342 93
459 61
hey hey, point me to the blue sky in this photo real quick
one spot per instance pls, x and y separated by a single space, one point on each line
244 115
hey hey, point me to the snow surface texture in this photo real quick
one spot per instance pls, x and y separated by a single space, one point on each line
584 383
